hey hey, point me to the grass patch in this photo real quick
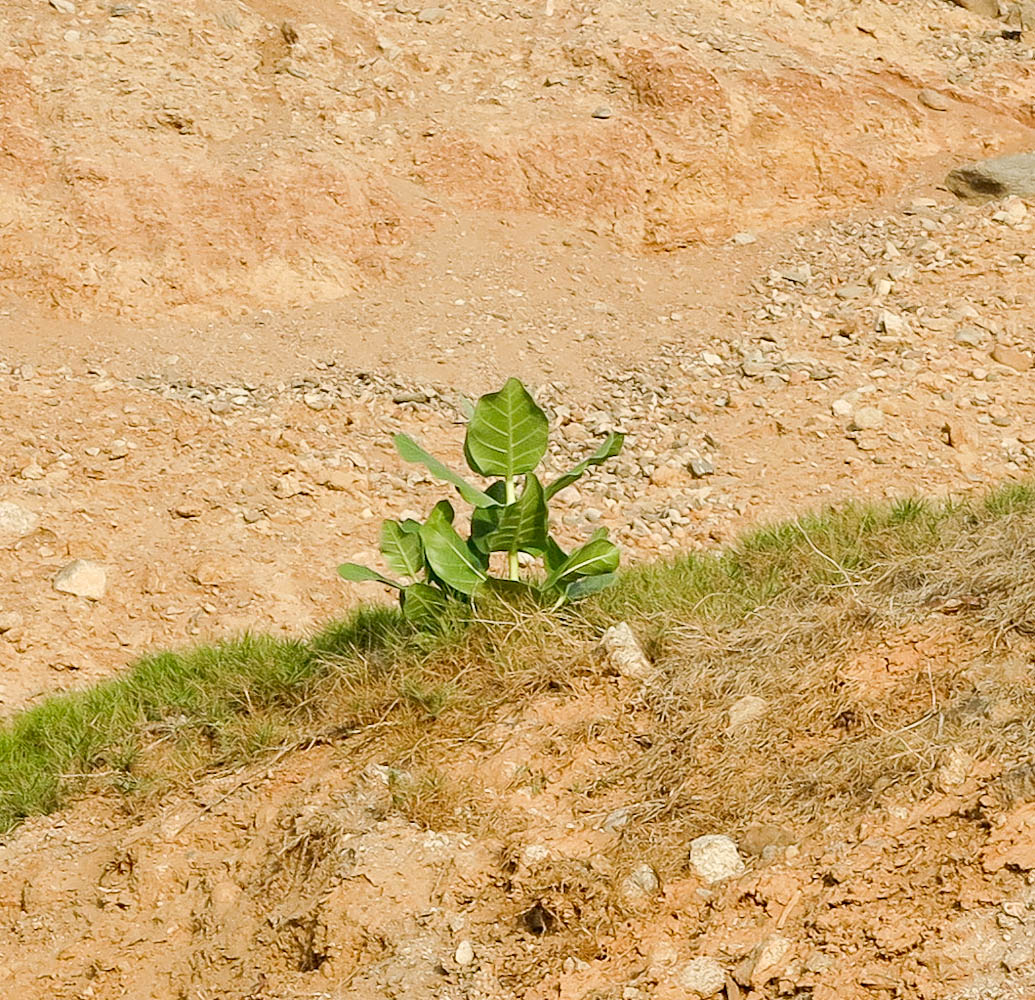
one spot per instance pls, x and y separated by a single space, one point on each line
770 615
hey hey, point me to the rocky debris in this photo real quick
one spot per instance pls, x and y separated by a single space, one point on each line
639 886
995 178
933 100
764 963
703 976
715 858
623 652
10 621
867 418
464 954
16 522
1011 357
82 578
602 112
744 711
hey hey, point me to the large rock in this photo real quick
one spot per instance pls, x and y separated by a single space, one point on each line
996 178
15 522
715 858
82 578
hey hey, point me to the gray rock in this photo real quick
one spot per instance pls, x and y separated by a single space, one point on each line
432 15
743 239
82 578
15 522
702 976
602 112
63 6
995 178
715 858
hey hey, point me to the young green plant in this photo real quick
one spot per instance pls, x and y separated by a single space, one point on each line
507 437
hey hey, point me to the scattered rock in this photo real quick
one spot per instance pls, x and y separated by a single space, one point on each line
624 653
464 954
867 418
971 336
765 962
1011 357
602 112
432 15
745 711
995 178
286 487
639 885
956 766
33 472
15 522
702 976
188 509
743 239
82 578
10 621
984 8
337 480
415 396
933 100
715 858
63 6
700 467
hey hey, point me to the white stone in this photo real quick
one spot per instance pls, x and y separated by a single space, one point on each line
15 522
745 710
464 953
703 976
715 858
82 578
623 651
63 6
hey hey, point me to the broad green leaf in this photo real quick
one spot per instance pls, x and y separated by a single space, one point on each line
508 434
422 604
410 451
402 549
485 520
522 525
355 573
450 557
595 557
554 555
410 526
589 585
611 447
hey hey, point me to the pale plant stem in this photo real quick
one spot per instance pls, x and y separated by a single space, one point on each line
512 557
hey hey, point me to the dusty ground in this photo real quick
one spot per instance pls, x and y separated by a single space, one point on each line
234 235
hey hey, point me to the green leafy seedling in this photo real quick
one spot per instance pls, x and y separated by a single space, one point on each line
507 437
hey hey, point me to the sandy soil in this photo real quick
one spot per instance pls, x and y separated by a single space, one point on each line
244 243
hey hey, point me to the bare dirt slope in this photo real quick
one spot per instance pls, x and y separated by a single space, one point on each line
243 243
233 235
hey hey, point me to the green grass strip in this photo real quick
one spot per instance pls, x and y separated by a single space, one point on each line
222 698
